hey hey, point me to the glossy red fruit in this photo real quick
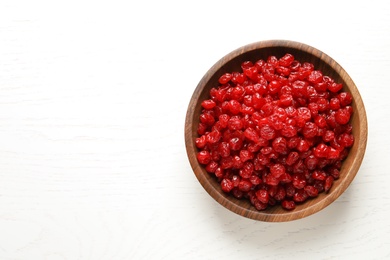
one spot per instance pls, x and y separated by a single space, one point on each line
300 196
311 191
335 87
279 144
276 132
245 185
342 116
225 78
288 204
262 195
280 193
315 76
227 185
267 132
204 157
292 158
328 183
345 98
277 170
286 60
251 134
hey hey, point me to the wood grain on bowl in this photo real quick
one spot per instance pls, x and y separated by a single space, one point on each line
302 53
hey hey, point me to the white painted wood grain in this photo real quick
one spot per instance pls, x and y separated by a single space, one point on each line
93 96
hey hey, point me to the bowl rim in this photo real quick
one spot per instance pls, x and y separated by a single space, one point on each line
267 215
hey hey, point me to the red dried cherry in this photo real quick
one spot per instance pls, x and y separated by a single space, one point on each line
288 204
275 132
225 78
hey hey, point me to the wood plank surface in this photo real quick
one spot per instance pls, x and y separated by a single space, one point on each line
93 99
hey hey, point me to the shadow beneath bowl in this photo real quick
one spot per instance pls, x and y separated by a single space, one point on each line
311 233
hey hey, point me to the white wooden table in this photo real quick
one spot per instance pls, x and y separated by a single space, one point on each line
93 97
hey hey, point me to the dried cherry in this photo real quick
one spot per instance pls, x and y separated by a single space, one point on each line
275 132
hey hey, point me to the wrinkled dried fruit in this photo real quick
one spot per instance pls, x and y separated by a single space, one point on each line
275 132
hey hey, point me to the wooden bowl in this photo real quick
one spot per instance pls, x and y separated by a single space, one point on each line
303 53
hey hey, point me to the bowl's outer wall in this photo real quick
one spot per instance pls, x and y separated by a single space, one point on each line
302 53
